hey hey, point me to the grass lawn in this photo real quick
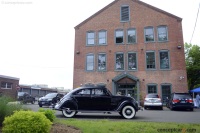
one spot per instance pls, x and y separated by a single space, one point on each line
110 126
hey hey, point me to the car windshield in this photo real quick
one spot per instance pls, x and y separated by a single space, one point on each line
152 96
50 95
20 93
182 96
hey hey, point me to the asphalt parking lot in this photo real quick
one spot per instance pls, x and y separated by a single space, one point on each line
151 115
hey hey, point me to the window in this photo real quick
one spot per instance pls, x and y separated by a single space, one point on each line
102 37
98 92
132 61
83 92
164 60
162 33
119 61
119 36
150 60
151 89
90 38
125 13
149 34
90 62
5 85
102 62
131 33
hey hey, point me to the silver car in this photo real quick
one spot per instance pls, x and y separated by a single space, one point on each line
153 100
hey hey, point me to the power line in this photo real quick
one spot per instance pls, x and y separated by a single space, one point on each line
195 24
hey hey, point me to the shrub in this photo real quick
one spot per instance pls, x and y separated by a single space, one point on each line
26 122
7 109
50 114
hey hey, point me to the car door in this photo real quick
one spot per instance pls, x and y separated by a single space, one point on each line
101 101
83 99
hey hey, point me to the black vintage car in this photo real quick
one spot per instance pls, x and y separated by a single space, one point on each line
91 99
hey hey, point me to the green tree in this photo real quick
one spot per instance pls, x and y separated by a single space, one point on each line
192 56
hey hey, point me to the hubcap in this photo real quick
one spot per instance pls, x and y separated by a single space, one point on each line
128 111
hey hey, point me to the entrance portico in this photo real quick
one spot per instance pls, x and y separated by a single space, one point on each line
126 84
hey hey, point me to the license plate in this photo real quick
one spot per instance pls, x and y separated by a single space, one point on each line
43 102
182 101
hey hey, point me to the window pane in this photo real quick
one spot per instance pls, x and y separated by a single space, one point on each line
125 13
152 89
90 62
150 60
164 60
119 37
9 85
3 85
101 62
102 37
6 85
120 61
162 33
90 38
131 36
132 61
149 35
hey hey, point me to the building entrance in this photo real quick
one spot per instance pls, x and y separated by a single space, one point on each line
127 90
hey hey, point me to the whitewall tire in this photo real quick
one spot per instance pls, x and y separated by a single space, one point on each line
128 112
68 113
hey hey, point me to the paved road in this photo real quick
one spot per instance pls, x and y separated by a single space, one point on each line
164 115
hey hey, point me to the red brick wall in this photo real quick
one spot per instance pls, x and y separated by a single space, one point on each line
9 92
141 16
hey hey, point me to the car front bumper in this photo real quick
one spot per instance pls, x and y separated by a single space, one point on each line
152 104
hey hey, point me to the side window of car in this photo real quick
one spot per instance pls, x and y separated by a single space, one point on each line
83 92
98 92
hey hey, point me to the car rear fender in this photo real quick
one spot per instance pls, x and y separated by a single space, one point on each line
72 105
124 103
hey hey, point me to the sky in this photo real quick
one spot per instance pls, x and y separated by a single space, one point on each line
37 36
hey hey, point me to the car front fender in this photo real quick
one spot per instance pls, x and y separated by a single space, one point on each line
70 104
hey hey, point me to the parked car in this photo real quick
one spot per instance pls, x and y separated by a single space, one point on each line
24 97
180 101
91 99
49 99
153 100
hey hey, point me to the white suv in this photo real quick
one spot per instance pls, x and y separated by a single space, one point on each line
153 100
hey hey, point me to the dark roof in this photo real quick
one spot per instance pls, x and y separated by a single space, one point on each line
138 1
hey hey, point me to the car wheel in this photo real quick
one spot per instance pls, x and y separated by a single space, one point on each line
40 105
191 109
128 112
145 107
161 108
68 113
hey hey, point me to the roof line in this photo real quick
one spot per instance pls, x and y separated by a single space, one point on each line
9 77
159 10
138 1
98 12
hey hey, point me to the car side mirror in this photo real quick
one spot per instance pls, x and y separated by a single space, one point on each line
167 98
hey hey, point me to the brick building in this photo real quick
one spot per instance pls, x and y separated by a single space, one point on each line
133 48
9 86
